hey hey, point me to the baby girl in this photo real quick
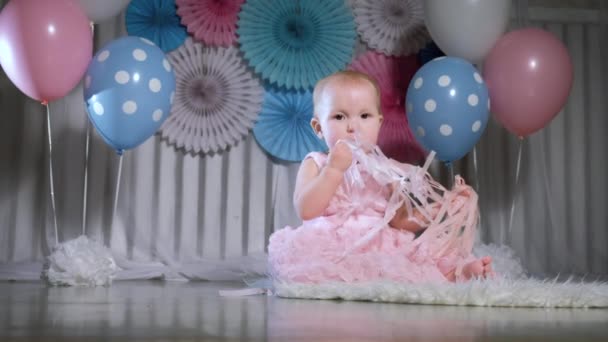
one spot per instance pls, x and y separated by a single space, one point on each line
367 217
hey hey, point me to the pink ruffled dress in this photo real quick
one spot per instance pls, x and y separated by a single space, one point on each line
325 249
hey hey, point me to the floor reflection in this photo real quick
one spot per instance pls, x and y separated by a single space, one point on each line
161 310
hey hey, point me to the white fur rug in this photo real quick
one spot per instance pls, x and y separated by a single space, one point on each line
523 292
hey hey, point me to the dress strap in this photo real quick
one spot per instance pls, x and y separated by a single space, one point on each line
320 158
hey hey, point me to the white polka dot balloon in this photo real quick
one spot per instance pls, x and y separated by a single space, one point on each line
447 101
128 91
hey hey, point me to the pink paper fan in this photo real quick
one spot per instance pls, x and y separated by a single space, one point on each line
212 22
393 75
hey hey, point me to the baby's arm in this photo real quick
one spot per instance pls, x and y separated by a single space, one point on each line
402 220
315 188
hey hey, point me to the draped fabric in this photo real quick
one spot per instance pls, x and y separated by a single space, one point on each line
177 211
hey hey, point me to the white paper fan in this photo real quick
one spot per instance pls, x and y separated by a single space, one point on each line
393 27
217 98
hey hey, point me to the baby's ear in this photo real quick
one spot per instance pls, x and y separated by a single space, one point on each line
316 126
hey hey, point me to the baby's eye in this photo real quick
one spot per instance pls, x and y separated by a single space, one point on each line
366 116
339 116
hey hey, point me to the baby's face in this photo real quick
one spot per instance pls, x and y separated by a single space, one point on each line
348 109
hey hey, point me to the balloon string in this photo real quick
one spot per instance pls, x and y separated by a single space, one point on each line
476 176
86 162
516 191
52 187
116 192
86 177
475 168
450 167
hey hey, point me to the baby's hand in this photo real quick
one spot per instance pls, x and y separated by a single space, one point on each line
340 157
395 186
466 192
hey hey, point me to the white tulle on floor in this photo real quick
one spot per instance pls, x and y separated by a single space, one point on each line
83 262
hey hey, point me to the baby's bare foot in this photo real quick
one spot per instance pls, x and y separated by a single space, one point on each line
480 268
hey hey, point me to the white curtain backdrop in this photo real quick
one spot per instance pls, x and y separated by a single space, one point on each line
179 214
560 220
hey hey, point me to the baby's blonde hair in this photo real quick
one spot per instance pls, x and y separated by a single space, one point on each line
344 75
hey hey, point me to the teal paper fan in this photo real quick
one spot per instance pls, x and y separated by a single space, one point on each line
157 21
283 128
294 43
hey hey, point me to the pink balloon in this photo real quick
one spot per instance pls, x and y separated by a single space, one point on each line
529 76
45 46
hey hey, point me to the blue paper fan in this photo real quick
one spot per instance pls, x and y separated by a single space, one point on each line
283 127
293 43
156 20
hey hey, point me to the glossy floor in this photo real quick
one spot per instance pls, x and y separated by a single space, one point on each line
162 311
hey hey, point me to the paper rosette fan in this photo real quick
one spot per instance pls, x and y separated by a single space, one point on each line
393 27
217 98
283 127
393 75
212 22
293 43
157 21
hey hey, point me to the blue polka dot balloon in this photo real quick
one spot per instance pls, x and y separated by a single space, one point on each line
448 107
128 91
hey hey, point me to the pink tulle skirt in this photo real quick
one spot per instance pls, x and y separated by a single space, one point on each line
314 253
